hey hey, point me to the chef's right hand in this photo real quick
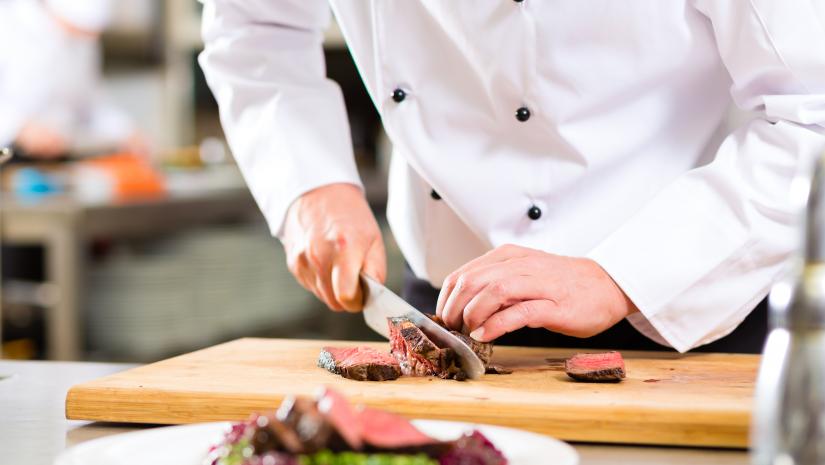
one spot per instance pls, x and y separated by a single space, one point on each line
330 236
40 141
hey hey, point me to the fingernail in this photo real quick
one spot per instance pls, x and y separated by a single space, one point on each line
478 334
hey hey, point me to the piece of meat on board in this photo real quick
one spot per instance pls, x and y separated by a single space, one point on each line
359 363
603 367
484 350
417 355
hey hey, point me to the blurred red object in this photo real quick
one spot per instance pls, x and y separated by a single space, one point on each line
128 176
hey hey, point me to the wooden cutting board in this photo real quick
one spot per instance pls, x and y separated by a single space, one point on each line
694 399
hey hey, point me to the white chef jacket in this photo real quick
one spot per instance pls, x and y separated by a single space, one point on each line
618 154
51 77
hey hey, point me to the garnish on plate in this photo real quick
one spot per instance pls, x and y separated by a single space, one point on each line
328 430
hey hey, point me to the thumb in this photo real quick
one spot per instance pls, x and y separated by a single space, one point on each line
375 263
346 284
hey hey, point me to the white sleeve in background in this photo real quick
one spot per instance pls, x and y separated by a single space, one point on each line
284 120
23 90
703 253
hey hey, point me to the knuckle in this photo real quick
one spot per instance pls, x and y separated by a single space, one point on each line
498 288
315 256
460 282
472 320
464 283
339 239
525 314
468 282
450 281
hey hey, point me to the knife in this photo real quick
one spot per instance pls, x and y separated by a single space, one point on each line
381 303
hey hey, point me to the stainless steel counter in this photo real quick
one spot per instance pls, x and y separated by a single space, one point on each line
33 429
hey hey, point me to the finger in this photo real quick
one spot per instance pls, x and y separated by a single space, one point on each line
323 289
307 278
474 281
468 285
375 263
498 254
345 269
304 275
503 293
320 257
528 313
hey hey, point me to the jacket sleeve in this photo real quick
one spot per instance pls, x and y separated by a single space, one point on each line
700 256
284 120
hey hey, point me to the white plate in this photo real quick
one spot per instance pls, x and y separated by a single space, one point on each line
188 445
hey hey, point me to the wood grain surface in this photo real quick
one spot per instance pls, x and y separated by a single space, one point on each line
694 399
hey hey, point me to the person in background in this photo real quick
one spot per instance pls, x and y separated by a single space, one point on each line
51 101
557 166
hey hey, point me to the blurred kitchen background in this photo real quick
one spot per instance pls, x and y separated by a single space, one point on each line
106 257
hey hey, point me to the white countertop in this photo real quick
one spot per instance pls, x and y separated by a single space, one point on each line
33 428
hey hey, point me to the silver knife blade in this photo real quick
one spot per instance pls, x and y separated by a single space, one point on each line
381 303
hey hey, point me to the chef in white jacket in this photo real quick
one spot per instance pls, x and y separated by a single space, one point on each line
557 164
51 102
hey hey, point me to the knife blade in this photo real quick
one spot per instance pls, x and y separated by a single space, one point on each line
381 303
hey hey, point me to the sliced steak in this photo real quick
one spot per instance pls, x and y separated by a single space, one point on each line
314 429
384 431
270 434
342 416
497 370
484 350
359 363
300 424
604 367
417 355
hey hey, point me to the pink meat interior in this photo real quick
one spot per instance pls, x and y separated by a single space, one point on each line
342 415
411 362
350 356
595 362
384 429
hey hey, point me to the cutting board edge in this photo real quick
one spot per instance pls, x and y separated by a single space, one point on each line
650 424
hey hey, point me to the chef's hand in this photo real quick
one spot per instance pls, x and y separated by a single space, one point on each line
330 236
512 287
41 141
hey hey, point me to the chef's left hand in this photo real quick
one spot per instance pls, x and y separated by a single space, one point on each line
512 287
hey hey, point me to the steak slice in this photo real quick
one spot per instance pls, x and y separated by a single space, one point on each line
484 350
300 425
384 431
359 363
313 428
343 418
270 434
417 355
607 367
